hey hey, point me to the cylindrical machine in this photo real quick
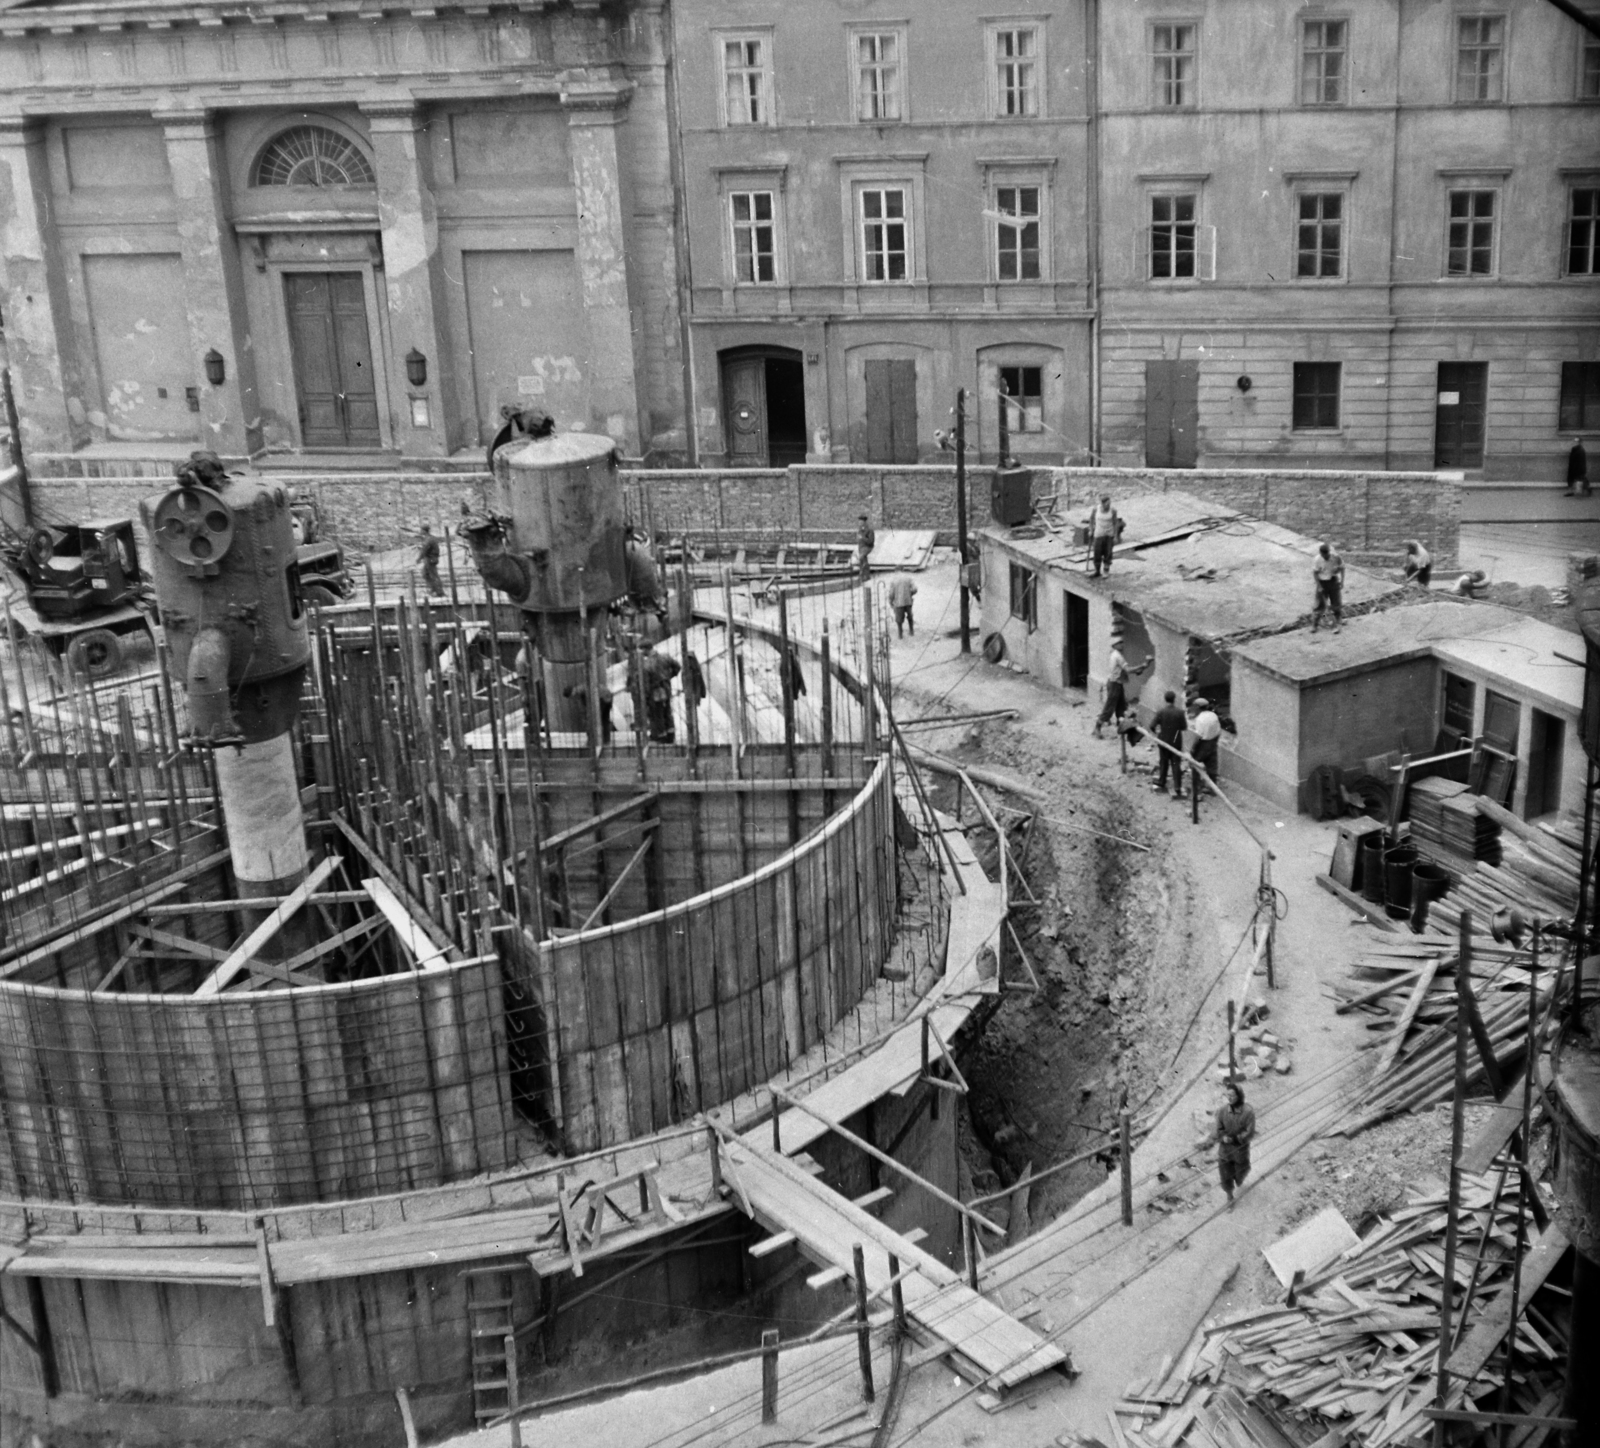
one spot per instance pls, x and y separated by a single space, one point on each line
226 578
552 539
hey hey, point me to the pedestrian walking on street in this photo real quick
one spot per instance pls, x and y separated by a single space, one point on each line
1419 563
1328 570
1578 471
1105 527
1207 731
428 561
1117 675
901 594
1236 1126
1168 727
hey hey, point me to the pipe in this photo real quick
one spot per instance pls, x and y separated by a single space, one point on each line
206 686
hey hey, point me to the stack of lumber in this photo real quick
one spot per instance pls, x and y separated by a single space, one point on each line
1408 994
1445 816
1356 1356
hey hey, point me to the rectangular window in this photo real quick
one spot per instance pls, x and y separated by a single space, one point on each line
1580 397
1589 69
1024 596
1319 234
1480 59
1583 232
1316 394
1023 389
1173 64
1017 243
885 235
1323 62
754 236
746 81
1470 249
1172 235
1016 72
878 76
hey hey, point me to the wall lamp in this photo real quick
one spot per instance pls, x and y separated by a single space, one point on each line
416 368
216 368
1244 384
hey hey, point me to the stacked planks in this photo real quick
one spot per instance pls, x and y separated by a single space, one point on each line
1409 994
1357 1355
1444 817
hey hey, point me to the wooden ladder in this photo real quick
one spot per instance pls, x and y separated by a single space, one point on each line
489 1296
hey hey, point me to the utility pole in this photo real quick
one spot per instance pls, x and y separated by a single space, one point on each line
961 517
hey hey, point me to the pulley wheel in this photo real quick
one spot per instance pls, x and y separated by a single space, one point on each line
193 526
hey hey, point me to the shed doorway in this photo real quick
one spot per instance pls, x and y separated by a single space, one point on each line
1547 742
1075 640
764 401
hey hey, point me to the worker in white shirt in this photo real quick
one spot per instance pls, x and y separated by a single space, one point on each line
1419 564
1104 526
1207 729
1117 675
1328 570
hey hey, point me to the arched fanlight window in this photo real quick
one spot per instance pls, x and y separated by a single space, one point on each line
313 156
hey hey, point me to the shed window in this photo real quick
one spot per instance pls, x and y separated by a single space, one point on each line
1024 596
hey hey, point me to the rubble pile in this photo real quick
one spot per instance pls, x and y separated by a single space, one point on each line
1354 1359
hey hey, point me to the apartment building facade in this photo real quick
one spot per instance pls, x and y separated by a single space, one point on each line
884 203
1355 234
329 229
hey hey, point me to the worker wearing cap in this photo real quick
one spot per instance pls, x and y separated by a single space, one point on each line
428 561
1236 1126
1117 675
1207 731
1168 727
866 541
1104 525
902 596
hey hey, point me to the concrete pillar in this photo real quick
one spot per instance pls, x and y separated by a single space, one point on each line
594 110
33 296
213 288
425 421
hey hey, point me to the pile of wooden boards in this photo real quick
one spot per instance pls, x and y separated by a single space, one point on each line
1445 817
1354 1360
1408 992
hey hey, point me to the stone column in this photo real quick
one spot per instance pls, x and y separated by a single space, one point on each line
412 283
213 288
33 296
594 110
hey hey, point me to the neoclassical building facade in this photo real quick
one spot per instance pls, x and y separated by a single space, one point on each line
342 227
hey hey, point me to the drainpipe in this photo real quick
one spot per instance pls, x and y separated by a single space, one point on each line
680 244
1092 101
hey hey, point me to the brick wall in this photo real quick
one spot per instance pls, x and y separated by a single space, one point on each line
1369 515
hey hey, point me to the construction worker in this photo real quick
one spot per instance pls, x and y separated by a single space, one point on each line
1104 525
1207 731
659 671
1578 471
428 561
1236 1126
1117 675
902 592
1168 727
866 541
1419 563
789 675
694 682
1328 570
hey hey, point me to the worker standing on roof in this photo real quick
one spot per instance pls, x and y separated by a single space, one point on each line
1236 1126
866 541
1105 526
428 561
1419 564
1328 570
1117 675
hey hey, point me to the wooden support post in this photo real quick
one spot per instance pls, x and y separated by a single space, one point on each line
716 1160
869 701
1453 1205
43 1340
863 1329
777 1129
970 1241
1125 1151
1194 792
512 1394
1122 741
897 1293
769 1375
1233 1068
1521 1146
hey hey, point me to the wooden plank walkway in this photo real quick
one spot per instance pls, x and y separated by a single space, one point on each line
984 1342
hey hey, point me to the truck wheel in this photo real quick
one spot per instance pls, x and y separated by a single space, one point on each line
95 653
319 595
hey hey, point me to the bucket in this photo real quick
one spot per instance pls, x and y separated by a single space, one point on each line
1428 881
1371 868
1397 864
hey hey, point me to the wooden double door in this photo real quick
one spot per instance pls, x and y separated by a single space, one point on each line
335 387
1171 414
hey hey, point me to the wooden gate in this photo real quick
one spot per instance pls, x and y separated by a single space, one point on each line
892 411
1171 414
